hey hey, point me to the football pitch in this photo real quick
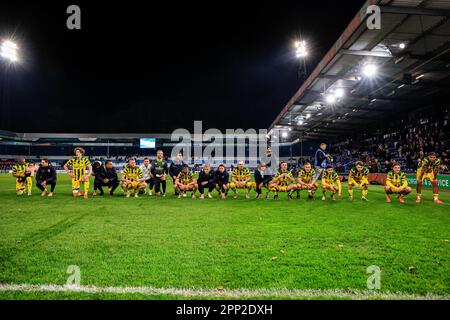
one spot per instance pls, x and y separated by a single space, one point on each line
169 248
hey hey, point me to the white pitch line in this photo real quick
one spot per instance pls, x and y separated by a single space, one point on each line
226 293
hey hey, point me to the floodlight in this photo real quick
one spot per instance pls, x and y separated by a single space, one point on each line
302 50
339 93
330 98
370 70
8 50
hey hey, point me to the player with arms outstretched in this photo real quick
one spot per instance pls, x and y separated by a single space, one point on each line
307 180
396 183
331 182
283 181
133 179
241 179
80 171
359 178
428 170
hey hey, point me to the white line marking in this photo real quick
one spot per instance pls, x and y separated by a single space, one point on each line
226 293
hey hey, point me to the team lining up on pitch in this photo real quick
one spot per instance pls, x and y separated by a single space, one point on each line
135 179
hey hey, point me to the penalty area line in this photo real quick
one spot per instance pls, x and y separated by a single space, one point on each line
225 293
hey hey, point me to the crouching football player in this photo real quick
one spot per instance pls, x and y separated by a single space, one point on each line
46 177
307 180
283 181
206 180
23 172
106 176
222 181
133 179
240 179
331 181
396 183
185 182
428 170
359 178
262 180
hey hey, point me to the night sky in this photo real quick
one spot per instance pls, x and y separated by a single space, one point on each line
153 68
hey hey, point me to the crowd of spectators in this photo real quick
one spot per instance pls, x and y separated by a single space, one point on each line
403 141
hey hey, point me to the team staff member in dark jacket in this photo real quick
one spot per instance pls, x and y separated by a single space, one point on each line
262 179
176 167
46 176
206 179
106 177
222 181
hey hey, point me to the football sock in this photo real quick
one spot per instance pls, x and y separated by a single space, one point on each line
350 193
29 184
86 187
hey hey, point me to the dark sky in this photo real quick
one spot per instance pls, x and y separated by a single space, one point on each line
154 68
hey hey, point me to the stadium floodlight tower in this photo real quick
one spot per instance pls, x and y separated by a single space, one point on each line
9 51
301 53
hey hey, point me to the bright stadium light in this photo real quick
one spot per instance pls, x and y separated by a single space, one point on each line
370 70
308 116
8 51
330 98
302 50
402 46
285 134
300 122
339 93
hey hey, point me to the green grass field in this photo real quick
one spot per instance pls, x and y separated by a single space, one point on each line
217 245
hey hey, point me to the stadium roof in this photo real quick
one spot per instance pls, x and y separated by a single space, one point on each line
412 51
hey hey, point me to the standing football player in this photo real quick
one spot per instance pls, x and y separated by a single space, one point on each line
331 181
146 168
241 179
428 170
396 183
133 179
159 171
359 178
307 180
78 172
